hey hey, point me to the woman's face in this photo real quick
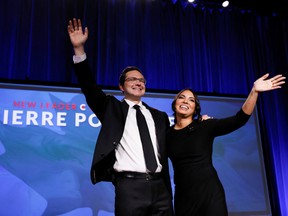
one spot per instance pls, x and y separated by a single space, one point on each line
185 104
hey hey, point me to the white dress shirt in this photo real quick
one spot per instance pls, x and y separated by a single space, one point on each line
129 153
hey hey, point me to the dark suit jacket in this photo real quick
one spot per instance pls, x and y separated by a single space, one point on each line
112 114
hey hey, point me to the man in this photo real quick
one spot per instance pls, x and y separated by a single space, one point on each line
119 155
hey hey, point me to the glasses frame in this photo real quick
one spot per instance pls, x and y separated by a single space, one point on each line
134 79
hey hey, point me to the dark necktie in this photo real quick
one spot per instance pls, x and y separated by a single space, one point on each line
150 159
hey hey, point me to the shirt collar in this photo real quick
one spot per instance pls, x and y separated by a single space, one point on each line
131 104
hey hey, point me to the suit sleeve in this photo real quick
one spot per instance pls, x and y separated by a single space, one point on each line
95 97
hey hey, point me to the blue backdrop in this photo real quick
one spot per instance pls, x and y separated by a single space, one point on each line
45 169
212 50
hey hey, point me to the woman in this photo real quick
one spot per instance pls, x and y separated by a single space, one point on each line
198 190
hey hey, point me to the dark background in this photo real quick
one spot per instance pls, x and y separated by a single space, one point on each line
202 46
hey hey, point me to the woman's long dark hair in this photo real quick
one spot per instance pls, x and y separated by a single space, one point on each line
197 112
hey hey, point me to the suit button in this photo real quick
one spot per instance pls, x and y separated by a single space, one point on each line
115 143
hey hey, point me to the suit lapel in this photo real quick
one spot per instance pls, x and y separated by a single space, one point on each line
124 107
155 116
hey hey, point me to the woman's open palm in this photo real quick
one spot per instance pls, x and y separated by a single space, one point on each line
264 84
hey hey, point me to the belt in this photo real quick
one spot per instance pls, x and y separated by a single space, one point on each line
137 175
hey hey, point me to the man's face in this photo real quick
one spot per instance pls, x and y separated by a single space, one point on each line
134 86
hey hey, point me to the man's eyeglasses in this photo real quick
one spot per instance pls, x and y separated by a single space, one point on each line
134 79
